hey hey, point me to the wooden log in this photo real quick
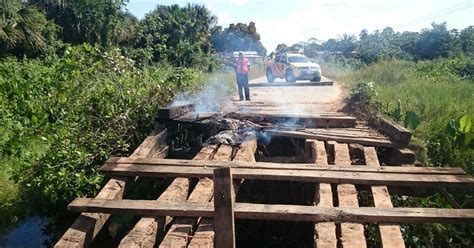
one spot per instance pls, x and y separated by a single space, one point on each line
174 111
179 233
352 234
324 232
223 208
306 135
244 163
86 227
395 131
390 234
204 235
277 212
370 178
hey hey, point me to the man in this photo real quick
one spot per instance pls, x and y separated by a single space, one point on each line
242 68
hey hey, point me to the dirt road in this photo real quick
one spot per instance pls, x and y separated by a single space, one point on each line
297 98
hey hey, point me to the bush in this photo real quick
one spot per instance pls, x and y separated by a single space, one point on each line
63 116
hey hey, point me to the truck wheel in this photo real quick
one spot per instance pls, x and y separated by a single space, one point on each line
289 77
316 79
270 76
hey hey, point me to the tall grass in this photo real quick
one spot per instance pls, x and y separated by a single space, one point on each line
431 98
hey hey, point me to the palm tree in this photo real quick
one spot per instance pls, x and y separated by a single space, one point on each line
21 28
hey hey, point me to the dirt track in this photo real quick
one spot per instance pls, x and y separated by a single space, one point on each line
290 99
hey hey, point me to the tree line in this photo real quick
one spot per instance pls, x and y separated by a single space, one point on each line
430 43
184 36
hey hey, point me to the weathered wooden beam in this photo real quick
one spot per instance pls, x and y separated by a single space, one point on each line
277 212
395 131
87 225
324 232
390 234
182 228
370 178
223 208
324 137
352 234
244 163
399 156
145 231
174 111
309 121
204 235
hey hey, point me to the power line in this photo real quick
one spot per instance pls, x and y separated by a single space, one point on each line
447 11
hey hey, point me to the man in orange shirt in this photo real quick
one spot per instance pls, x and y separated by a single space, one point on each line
242 68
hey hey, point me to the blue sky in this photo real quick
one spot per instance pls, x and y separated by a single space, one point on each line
298 20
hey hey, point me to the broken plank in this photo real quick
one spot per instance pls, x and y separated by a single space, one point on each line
86 227
324 232
352 234
390 234
277 212
370 178
323 137
237 163
174 111
399 156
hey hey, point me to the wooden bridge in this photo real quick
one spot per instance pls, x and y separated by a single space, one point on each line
336 155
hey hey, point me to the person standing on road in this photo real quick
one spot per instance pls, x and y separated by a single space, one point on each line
242 68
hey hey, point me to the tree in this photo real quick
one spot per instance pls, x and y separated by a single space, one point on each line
179 35
313 46
238 37
90 21
433 43
21 28
346 44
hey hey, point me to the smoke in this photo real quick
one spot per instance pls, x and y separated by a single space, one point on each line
209 99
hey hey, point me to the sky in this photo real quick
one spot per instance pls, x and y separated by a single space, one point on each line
298 20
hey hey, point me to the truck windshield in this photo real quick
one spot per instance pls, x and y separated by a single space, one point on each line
298 59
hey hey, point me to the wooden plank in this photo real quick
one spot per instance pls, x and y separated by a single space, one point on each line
390 234
238 163
144 232
362 141
151 145
277 212
352 234
86 227
370 178
394 130
204 235
297 119
322 83
179 233
223 208
324 232
174 111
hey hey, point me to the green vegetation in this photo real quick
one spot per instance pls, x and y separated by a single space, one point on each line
434 100
81 81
